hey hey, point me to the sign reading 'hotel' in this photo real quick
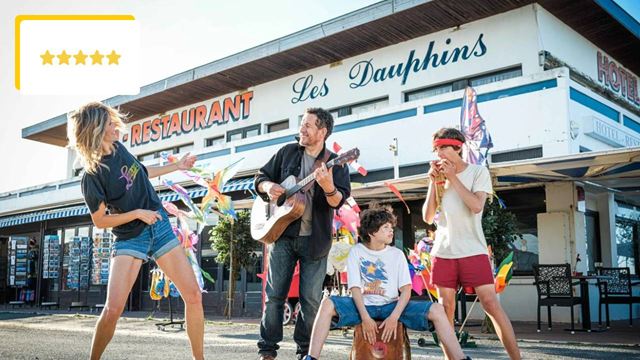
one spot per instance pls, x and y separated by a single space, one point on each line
616 78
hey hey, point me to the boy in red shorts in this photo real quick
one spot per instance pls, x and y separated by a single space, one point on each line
460 255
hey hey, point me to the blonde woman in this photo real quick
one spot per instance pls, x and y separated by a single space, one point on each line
118 193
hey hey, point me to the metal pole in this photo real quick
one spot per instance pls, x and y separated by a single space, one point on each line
396 165
230 273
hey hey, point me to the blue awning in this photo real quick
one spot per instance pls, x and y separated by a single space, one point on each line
36 216
615 170
80 210
199 191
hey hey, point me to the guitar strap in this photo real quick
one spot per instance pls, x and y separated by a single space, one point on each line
316 164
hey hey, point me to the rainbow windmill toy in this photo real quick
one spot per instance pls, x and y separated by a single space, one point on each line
420 269
213 202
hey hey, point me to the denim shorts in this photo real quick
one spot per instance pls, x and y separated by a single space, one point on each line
413 317
153 242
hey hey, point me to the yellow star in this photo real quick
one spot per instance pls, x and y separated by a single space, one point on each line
47 58
96 58
113 58
80 58
371 269
63 58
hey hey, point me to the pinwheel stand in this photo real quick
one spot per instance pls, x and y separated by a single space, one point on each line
463 336
463 339
172 323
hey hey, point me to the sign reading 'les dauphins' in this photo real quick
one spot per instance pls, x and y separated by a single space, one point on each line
363 72
196 118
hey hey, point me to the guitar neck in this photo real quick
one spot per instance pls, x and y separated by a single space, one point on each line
304 182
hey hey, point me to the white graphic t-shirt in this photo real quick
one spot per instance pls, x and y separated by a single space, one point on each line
459 231
378 274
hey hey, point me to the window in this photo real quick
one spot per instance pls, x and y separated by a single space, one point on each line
278 126
496 76
628 237
594 251
460 84
180 149
359 108
146 157
253 282
69 233
525 205
427 92
215 141
243 133
185 148
369 106
53 257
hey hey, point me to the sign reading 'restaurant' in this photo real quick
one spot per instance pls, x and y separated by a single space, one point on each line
196 118
616 78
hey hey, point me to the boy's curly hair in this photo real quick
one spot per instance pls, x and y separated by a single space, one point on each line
372 219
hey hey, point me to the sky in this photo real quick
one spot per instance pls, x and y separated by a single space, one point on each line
172 37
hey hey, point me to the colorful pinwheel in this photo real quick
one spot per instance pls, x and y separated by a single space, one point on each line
214 193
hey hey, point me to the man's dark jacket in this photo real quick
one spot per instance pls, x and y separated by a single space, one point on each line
287 161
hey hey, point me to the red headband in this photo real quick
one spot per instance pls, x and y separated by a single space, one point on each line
445 142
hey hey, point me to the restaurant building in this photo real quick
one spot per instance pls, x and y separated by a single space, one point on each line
556 82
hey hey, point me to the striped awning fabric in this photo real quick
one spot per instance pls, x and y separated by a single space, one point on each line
80 210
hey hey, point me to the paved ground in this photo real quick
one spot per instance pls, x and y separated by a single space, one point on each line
67 336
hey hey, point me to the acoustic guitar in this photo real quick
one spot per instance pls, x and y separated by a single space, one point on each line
270 219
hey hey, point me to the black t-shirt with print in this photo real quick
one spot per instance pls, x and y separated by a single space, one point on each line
123 185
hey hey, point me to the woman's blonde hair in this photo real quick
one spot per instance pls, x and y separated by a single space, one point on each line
86 128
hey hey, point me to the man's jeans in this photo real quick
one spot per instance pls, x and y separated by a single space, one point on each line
283 255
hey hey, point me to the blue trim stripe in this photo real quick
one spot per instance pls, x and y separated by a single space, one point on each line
441 106
514 91
594 105
631 124
620 15
264 143
376 120
216 153
519 90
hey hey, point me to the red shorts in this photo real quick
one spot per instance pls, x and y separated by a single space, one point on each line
471 271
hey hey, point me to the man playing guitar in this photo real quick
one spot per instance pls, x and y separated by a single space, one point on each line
307 239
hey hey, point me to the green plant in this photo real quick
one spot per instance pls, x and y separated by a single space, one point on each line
234 245
500 228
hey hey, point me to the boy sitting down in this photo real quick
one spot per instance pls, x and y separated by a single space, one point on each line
376 274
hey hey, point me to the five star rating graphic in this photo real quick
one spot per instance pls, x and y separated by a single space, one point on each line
77 54
80 58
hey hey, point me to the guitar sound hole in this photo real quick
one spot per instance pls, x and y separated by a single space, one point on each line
281 200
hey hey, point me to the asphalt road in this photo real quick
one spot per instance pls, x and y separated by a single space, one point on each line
69 337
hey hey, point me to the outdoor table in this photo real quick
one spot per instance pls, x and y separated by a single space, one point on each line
584 296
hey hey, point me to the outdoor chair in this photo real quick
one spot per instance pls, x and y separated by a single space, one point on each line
554 286
616 289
